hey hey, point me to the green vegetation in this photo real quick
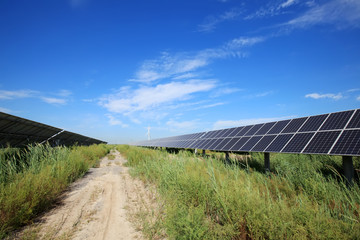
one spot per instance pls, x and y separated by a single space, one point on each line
31 179
304 197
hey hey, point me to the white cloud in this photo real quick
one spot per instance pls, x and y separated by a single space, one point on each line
183 126
64 93
208 106
5 110
114 122
243 122
211 22
327 95
147 98
358 98
341 13
56 101
17 94
287 3
184 65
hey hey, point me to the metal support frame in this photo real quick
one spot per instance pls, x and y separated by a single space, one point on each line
267 162
348 167
227 158
203 153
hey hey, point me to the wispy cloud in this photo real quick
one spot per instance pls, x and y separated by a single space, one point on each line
272 9
341 13
184 65
337 96
211 22
116 122
358 98
243 122
208 106
183 125
144 98
54 101
17 94
5 110
64 93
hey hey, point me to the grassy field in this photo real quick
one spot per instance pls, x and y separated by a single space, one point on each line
31 179
304 196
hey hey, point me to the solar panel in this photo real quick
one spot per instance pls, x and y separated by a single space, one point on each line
265 128
348 143
19 132
237 146
278 127
235 132
223 142
243 131
297 143
355 121
294 125
254 129
337 120
278 143
313 123
335 133
214 144
322 142
263 143
250 144
231 143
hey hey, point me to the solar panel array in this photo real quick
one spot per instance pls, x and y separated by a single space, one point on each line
333 134
19 132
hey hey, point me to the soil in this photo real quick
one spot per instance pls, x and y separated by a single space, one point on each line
101 205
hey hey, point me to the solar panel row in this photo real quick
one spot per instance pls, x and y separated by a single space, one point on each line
19 132
335 134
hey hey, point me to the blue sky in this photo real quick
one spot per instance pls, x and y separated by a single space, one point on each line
109 69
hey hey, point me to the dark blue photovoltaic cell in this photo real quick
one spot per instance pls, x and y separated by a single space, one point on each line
231 143
348 143
198 144
239 143
322 142
294 125
313 123
337 120
223 142
251 143
213 134
265 128
278 127
236 131
208 143
219 133
215 143
278 143
254 129
263 143
297 143
226 132
243 130
355 121
207 134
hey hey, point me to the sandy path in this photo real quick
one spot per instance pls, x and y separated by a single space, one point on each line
96 206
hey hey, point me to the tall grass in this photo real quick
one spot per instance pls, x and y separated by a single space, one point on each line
207 199
30 179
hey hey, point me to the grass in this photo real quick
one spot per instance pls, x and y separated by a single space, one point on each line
304 197
31 179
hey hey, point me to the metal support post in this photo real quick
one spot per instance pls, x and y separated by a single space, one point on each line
267 162
203 153
227 158
348 167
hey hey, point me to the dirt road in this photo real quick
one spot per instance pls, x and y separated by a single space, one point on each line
96 206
